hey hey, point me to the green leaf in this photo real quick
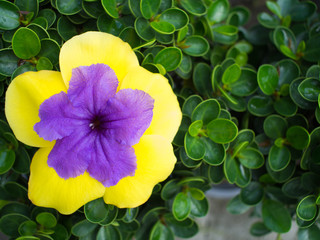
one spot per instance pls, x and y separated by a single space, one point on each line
268 21
190 104
170 58
274 8
202 79
9 16
28 228
183 229
236 206
310 233
31 6
131 214
170 189
194 147
231 74
298 137
260 106
186 160
183 129
199 207
25 43
246 84
218 10
275 126
215 153
285 106
65 28
312 50
295 188
110 6
60 232
7 158
160 232
296 96
279 158
302 10
130 36
108 232
310 89
9 224
251 158
268 78
143 29
96 210
83 228
195 128
49 15
283 175
284 36
181 207
177 17
275 216
195 7
252 194
222 130
259 229
216 174
195 46
149 7
230 168
206 111
8 61
93 9
162 27
16 190
44 64
307 208
48 220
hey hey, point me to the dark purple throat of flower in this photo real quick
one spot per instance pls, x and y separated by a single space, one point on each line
95 126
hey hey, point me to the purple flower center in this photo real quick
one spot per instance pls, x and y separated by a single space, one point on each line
95 126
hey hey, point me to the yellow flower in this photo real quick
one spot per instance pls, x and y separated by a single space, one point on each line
154 153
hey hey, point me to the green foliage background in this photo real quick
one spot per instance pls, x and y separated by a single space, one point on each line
250 103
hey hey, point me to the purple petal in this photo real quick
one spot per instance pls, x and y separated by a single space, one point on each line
71 155
111 161
128 115
91 86
59 118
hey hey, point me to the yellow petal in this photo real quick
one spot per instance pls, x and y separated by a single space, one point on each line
96 47
155 162
166 113
23 98
47 189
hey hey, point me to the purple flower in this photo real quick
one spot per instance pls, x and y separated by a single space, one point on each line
94 126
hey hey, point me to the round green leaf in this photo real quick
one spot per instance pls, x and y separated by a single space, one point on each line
22 69
222 130
9 15
283 175
28 228
251 158
218 10
143 29
231 74
307 208
195 46
310 89
298 137
93 9
215 153
312 51
111 215
46 219
230 168
194 7
65 28
170 189
179 138
39 30
83 228
149 7
190 104
246 84
284 36
108 232
285 106
199 207
179 227
195 148
181 207
237 206
25 43
110 6
44 64
177 17
260 105
186 160
275 126
267 79
279 158
252 194
16 190
288 71
275 216
162 27
96 210
31 6
268 21
259 229
9 224
60 232
216 174
69 7
295 188
7 158
195 128
160 231
48 14
206 111
202 79
296 96
170 58
301 11
8 62
309 233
